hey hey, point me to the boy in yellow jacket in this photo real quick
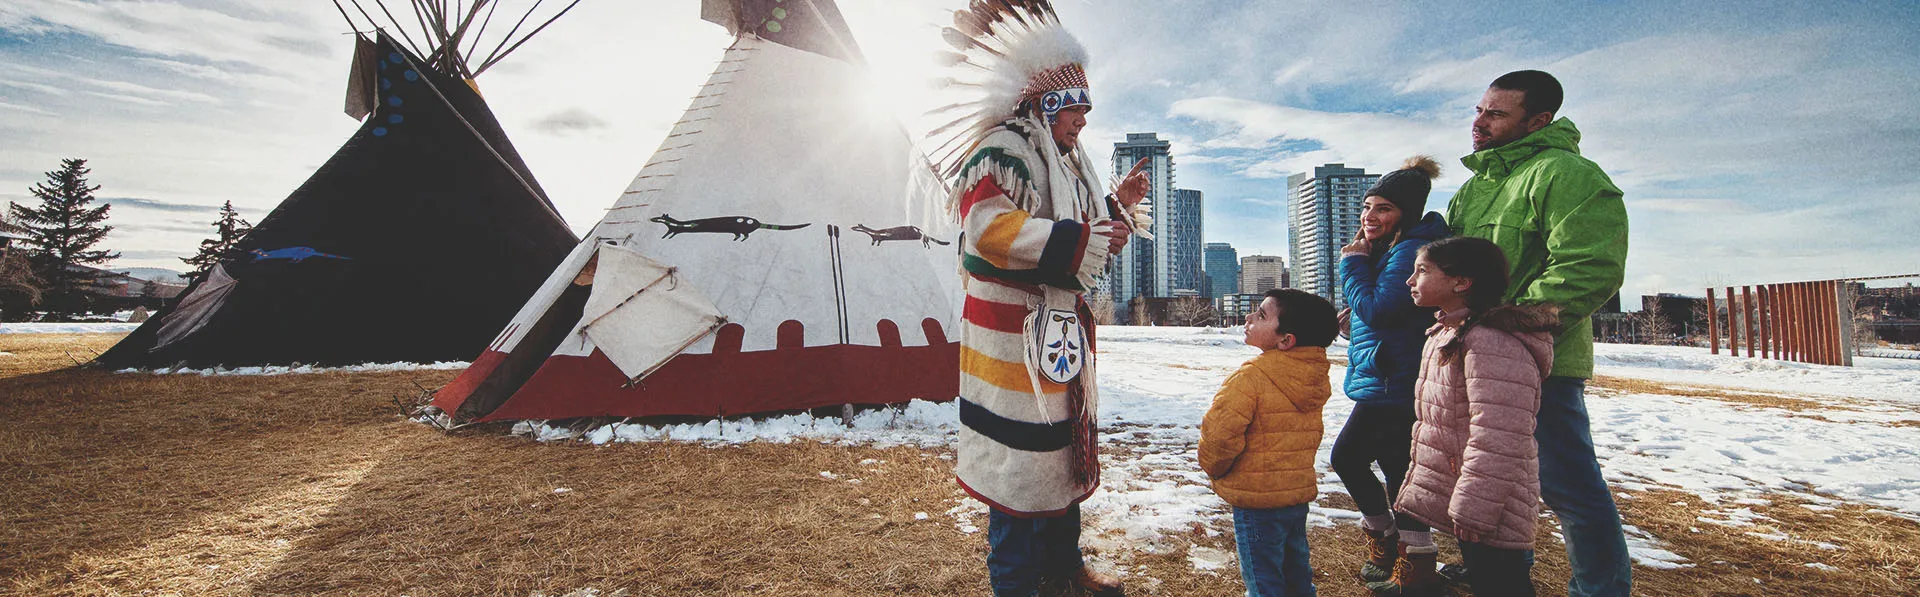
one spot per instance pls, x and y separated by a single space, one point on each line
1258 440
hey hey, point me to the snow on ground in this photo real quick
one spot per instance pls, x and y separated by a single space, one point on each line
303 369
90 327
1156 383
1871 378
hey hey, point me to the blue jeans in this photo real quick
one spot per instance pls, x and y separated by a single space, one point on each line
1273 551
1022 550
1571 484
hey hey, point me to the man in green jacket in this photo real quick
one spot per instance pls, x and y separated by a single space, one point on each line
1563 226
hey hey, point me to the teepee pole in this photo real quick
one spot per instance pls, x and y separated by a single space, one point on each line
483 29
396 26
510 32
536 31
343 15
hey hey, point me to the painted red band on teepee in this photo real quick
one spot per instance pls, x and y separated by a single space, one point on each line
725 383
450 396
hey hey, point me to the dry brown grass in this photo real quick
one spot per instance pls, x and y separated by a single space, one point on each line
313 484
1617 385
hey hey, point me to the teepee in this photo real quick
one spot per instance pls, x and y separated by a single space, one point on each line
785 248
423 232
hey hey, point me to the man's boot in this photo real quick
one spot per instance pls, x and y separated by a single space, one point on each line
1381 554
1090 582
1413 575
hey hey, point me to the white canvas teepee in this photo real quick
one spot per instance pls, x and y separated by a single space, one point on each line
785 248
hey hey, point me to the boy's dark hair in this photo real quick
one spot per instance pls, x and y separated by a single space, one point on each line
1308 317
1541 92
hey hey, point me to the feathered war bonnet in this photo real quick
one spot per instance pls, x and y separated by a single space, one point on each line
1021 60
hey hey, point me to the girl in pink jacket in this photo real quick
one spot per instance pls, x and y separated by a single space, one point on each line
1475 466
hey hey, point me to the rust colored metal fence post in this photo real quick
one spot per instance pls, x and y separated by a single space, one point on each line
1733 327
1830 319
1844 301
1773 320
1747 320
1816 323
1830 298
1766 330
1800 325
1790 312
1713 325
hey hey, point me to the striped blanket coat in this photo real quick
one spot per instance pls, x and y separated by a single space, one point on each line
1030 219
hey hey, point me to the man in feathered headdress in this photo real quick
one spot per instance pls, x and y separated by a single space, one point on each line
1038 233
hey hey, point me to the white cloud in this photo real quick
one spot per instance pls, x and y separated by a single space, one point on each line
27 109
1371 140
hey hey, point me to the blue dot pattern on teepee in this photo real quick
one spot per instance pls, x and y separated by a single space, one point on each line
394 101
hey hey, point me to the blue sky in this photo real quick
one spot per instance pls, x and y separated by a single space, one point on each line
1756 141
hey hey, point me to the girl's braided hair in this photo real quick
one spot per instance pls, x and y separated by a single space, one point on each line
1482 262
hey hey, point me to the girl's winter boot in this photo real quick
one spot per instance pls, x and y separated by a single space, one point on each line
1413 575
1381 554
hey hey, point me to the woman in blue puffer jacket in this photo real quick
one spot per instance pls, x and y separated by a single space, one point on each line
1383 356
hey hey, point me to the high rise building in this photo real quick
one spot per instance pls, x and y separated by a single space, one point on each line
1184 254
1223 270
1261 273
1172 260
1323 214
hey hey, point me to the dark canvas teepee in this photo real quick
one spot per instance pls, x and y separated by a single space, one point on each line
415 242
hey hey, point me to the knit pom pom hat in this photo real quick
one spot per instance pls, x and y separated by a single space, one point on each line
1407 188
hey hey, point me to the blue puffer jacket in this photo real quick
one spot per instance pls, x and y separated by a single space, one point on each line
1387 331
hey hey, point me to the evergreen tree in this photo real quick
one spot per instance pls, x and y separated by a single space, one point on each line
228 231
64 230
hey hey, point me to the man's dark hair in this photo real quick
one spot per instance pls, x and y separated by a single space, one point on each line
1541 92
1308 317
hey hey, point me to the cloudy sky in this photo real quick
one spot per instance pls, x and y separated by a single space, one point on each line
1756 141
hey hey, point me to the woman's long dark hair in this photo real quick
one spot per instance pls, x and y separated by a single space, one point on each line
1481 261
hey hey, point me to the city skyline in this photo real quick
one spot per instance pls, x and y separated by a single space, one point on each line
1713 120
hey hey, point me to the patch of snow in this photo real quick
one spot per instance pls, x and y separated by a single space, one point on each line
1647 551
1211 560
919 423
919 516
1820 566
1873 378
89 327
303 369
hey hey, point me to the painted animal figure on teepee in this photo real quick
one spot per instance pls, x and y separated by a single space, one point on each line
636 322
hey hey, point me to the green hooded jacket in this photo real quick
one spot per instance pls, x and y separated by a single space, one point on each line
1562 224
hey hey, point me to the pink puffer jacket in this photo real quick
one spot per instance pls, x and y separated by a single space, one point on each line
1475 464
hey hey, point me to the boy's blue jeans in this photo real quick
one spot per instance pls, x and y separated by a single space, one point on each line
1022 550
1570 484
1273 551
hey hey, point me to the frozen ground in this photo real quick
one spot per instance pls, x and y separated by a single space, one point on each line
91 327
1156 383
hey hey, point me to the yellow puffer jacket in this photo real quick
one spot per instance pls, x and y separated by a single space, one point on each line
1258 440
